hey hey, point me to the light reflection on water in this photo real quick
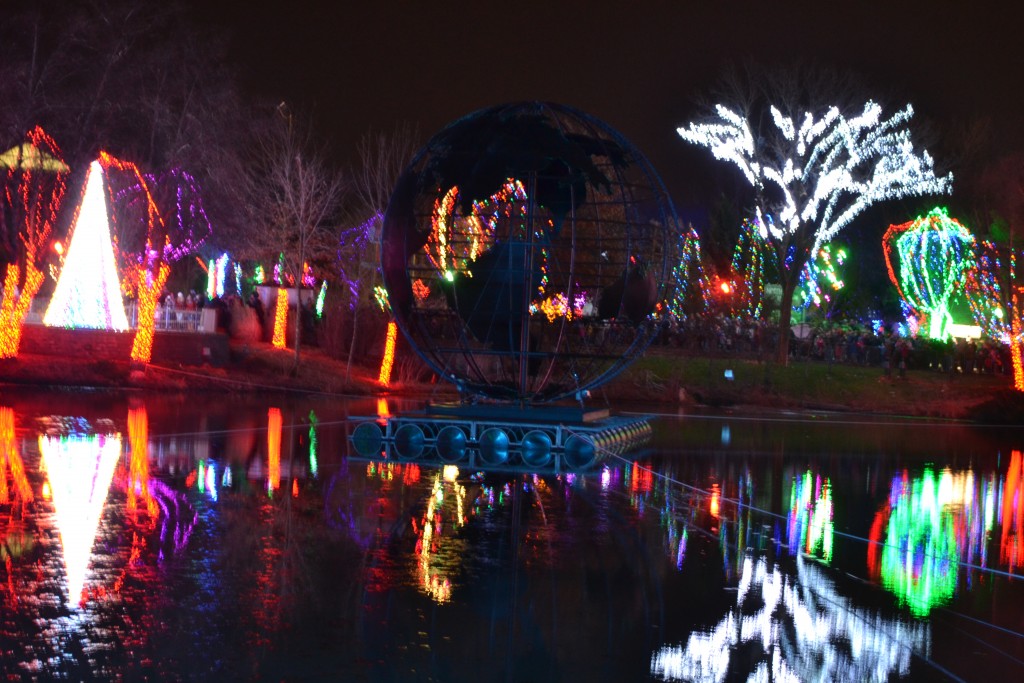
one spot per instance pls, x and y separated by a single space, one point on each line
243 543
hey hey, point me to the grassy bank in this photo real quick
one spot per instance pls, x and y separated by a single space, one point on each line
661 376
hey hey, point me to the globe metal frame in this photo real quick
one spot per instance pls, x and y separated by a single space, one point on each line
527 251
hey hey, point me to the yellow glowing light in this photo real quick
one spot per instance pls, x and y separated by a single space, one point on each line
1011 541
11 459
273 449
715 496
138 473
280 318
382 408
13 312
455 241
725 288
80 469
388 361
148 294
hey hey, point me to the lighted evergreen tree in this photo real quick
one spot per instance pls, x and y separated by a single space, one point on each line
934 257
813 171
36 175
692 282
749 269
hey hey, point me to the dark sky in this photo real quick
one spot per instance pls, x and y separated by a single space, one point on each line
636 65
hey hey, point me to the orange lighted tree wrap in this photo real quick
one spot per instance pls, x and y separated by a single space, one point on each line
280 318
148 289
138 468
140 279
11 459
273 449
34 191
1011 542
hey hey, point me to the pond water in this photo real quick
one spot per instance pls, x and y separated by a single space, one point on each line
237 538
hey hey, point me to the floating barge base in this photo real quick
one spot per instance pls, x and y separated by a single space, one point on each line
548 438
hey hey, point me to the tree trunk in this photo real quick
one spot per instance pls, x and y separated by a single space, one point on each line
280 318
298 324
147 296
785 318
13 312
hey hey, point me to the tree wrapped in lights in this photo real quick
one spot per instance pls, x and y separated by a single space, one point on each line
749 265
820 281
996 299
36 181
693 284
159 219
814 172
934 258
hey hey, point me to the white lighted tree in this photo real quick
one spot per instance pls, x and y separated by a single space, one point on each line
813 173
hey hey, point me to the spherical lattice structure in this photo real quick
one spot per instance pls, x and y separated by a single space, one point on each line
526 252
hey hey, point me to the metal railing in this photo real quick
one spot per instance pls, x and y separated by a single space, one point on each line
167 319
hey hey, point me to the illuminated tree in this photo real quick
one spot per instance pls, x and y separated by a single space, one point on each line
820 281
996 299
995 290
750 260
934 257
35 186
814 171
382 158
158 220
692 281
292 195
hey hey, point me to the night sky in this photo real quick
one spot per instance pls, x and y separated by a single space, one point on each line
639 66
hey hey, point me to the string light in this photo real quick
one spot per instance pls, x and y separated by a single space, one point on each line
748 268
88 293
80 469
280 318
934 258
274 423
692 282
149 289
827 170
820 279
36 183
320 298
384 379
995 301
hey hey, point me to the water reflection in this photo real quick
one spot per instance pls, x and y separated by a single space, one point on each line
787 627
253 534
79 468
935 524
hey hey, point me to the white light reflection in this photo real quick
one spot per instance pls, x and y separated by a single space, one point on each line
805 631
80 469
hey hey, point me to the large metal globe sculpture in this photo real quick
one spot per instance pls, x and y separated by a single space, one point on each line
526 251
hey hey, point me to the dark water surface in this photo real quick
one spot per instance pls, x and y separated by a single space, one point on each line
227 538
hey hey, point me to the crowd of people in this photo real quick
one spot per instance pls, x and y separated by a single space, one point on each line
848 341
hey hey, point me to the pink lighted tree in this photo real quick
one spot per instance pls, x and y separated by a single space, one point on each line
159 219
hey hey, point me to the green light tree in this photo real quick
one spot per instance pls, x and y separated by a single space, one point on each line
935 255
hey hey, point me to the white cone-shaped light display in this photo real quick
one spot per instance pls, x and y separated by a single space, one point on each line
80 469
88 293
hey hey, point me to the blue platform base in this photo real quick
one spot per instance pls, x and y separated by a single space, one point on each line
548 439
